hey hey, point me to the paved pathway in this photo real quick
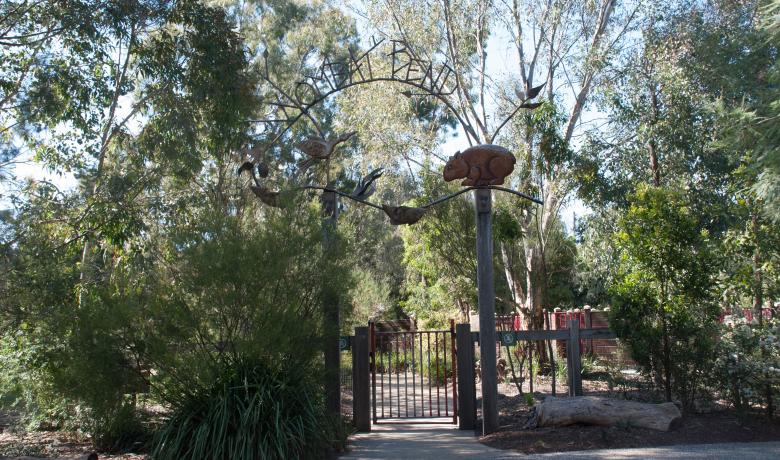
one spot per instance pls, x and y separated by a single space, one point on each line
409 395
443 442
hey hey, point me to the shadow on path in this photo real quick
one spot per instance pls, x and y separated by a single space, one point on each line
443 441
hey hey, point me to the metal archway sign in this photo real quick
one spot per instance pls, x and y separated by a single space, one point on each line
483 168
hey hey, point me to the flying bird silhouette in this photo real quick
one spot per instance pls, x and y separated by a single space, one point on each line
366 186
318 148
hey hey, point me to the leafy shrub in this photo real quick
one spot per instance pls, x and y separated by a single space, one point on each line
747 368
662 305
255 410
116 430
222 287
561 370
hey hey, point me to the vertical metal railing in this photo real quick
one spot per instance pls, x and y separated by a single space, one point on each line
427 361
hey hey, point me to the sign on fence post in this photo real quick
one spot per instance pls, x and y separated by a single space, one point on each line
508 338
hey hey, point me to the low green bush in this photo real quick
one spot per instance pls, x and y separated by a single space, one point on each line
747 368
255 410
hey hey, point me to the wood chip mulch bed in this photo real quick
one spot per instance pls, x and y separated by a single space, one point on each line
717 426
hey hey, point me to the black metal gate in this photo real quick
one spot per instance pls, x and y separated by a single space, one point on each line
413 375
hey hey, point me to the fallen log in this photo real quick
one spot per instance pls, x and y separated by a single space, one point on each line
593 410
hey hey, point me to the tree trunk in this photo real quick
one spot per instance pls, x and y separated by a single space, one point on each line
534 291
758 288
667 357
758 302
654 167
593 410
535 298
510 273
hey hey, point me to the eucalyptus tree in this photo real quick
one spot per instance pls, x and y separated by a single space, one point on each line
692 104
559 44
140 103
121 95
768 184
692 110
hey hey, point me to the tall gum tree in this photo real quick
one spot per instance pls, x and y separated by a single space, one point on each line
562 44
121 95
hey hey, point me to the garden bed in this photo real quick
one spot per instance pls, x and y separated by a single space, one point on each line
717 425
47 444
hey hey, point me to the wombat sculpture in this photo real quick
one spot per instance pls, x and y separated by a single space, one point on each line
484 164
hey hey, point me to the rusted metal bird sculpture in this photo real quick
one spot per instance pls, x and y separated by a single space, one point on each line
366 187
267 196
530 94
259 169
400 215
255 153
318 148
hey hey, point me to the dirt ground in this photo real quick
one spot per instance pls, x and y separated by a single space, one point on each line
46 444
15 444
715 423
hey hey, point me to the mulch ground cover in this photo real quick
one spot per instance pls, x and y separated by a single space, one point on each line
717 425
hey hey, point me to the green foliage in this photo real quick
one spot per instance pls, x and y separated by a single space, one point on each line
438 372
747 367
216 292
598 259
561 370
440 259
662 306
254 410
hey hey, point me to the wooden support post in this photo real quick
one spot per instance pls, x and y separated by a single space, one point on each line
456 368
330 303
467 389
487 310
588 325
573 359
361 402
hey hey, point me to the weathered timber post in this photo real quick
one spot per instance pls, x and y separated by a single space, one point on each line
588 314
456 368
573 359
361 402
487 309
330 304
467 390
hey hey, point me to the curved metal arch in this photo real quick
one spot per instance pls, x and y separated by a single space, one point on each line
415 77
304 110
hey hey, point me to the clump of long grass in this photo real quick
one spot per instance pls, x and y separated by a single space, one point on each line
256 410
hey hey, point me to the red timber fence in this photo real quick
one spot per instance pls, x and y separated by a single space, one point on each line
588 318
410 375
